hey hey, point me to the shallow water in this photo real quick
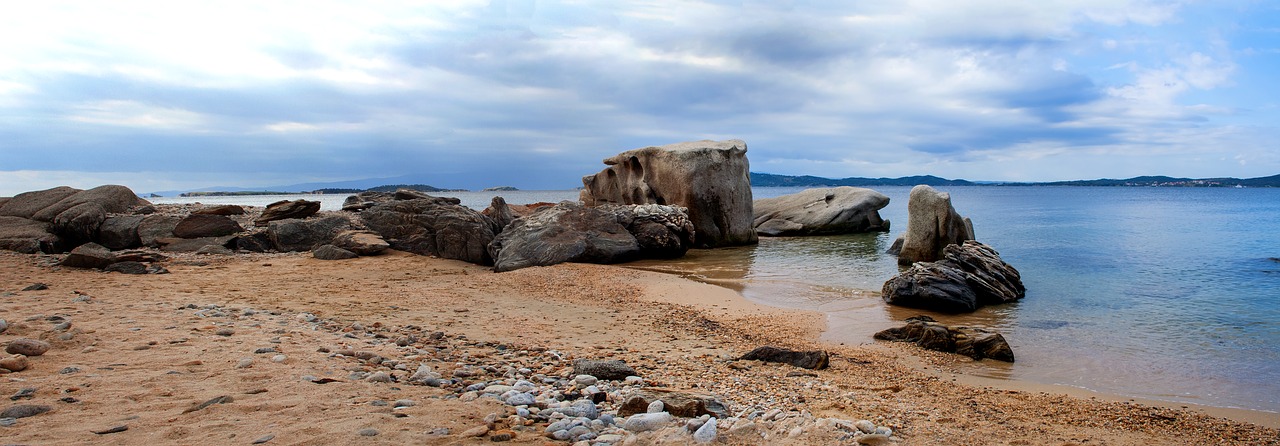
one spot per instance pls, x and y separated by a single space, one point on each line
1163 293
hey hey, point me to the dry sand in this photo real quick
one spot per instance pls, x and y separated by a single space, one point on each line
143 352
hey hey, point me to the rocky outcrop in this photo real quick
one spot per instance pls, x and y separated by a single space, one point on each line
708 178
154 227
433 226
27 236
113 199
79 224
814 359
969 276
287 209
304 235
120 232
221 209
365 243
975 343
837 210
570 232
206 225
932 225
27 204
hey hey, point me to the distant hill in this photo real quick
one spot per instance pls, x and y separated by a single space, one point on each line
771 180
1163 181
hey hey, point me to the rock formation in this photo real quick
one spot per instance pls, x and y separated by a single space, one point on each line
206 225
975 343
932 224
281 210
969 276
837 210
433 226
569 232
709 178
295 234
813 359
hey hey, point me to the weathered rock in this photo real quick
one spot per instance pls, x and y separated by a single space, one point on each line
365 243
27 204
212 249
303 235
79 223
932 225
139 256
645 422
975 343
120 232
565 233
708 178
287 209
89 255
206 225
127 267
365 200
330 252
969 276
28 236
499 212
175 244
678 403
661 231
112 198
15 363
611 369
816 360
256 241
838 210
154 227
27 347
24 410
221 209
433 226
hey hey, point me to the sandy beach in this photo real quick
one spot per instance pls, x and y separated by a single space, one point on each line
286 349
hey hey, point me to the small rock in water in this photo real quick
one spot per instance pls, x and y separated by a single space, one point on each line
29 347
706 433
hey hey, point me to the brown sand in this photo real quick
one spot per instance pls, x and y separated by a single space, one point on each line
145 351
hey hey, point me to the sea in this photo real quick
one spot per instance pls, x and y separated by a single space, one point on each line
1163 293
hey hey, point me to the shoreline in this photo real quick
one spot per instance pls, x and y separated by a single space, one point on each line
146 348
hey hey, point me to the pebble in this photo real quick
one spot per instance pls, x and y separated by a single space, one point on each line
265 350
244 363
379 377
8 421
25 410
15 363
475 431
873 439
25 393
406 403
706 433
263 439
29 347
279 358
521 399
585 380
646 422
224 332
656 406
368 432
866 426
3 325
69 370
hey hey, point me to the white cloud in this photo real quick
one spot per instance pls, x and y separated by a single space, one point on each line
134 114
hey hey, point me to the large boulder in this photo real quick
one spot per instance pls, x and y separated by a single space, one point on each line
611 233
500 212
365 200
433 226
114 199
89 255
154 227
976 343
27 236
206 225
27 204
837 210
932 224
365 243
120 232
304 235
79 224
969 276
287 209
221 209
709 178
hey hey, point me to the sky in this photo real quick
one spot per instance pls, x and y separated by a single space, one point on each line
165 95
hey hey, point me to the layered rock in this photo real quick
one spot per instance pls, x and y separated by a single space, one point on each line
709 178
206 225
969 276
53 220
287 209
837 210
433 226
975 343
569 232
27 236
932 225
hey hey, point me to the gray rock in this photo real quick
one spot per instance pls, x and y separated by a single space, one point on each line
89 255
113 199
27 204
24 410
838 210
586 408
282 210
565 233
365 200
330 252
932 224
585 380
655 407
127 267
709 178
706 433
120 232
368 432
500 212
433 226
969 276
304 235
521 399
646 422
206 225
610 369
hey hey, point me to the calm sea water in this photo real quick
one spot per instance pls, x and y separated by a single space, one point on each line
1164 293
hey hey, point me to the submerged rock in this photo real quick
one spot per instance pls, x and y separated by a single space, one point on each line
969 276
837 210
975 343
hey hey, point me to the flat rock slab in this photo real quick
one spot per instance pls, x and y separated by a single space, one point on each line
814 360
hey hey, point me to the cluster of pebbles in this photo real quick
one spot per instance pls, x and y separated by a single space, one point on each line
542 391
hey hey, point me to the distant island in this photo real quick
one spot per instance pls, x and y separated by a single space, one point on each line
499 189
771 180
325 191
